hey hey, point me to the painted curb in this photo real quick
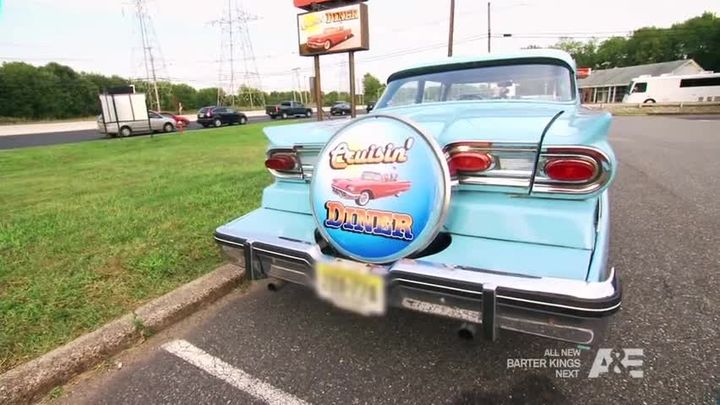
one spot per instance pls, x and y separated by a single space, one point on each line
30 381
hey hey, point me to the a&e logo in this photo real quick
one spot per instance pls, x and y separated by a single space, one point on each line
619 361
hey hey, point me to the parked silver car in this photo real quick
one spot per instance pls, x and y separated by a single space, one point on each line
155 123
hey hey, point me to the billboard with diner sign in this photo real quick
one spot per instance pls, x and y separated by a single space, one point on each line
340 29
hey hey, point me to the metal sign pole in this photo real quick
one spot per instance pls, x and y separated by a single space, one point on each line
351 62
489 32
318 91
451 28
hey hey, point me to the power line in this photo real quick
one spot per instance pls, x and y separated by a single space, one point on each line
148 57
235 34
251 77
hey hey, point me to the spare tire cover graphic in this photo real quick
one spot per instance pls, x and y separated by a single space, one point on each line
380 189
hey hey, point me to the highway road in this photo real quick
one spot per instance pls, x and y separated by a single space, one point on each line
292 348
55 138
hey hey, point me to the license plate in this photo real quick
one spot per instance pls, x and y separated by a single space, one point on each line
351 286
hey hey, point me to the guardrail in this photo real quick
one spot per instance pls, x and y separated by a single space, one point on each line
657 108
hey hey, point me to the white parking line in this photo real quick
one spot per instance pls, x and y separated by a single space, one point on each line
231 375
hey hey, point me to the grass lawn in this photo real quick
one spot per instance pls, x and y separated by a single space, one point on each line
89 231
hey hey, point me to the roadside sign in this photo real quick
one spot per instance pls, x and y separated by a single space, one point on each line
339 29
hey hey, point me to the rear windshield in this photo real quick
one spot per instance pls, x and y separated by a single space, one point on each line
205 109
546 82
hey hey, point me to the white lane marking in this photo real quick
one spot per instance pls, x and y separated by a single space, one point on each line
231 375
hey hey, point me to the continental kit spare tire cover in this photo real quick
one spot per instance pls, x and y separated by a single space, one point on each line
380 189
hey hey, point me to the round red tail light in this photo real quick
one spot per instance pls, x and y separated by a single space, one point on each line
281 162
569 169
470 162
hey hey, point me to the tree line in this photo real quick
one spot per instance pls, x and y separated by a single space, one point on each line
55 91
697 38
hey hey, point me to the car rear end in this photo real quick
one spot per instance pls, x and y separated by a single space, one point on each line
205 116
524 243
272 110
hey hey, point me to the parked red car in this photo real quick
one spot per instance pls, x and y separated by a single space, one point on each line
179 119
330 37
370 185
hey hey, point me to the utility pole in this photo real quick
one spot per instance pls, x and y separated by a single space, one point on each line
318 90
227 33
251 78
451 30
297 85
351 62
150 73
489 33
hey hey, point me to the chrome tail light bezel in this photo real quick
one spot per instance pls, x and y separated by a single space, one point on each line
294 174
600 160
530 176
501 176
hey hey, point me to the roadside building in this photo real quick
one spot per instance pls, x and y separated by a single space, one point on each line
610 85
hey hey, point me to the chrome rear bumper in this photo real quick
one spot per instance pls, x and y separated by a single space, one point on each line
561 309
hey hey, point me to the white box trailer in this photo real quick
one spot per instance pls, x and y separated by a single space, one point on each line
127 114
123 110
702 87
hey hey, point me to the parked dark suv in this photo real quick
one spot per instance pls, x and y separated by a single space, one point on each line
340 108
217 116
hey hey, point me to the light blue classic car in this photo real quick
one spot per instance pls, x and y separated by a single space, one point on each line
486 202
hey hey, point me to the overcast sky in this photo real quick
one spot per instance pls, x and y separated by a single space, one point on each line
103 35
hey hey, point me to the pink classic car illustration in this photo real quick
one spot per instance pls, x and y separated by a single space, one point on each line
328 38
370 185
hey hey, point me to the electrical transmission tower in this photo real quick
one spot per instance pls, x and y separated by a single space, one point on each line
235 37
148 57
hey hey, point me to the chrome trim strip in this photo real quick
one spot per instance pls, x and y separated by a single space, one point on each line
489 147
289 270
495 181
606 309
444 287
300 259
229 242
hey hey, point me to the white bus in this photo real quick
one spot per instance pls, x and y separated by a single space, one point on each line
703 87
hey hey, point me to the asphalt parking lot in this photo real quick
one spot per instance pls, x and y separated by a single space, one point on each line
287 346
